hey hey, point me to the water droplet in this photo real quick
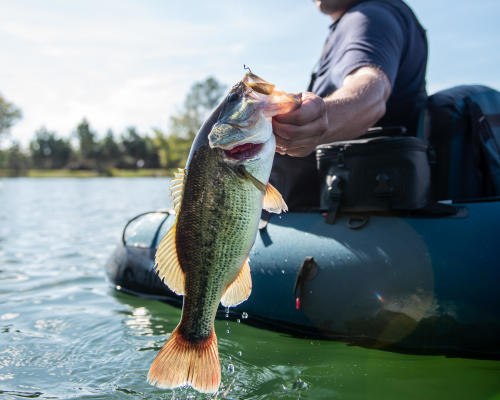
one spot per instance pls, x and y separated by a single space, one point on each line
230 368
227 331
240 353
282 271
244 315
238 320
286 259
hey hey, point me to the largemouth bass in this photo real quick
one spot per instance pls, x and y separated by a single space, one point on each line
218 199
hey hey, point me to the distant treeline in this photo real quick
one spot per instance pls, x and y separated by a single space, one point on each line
84 149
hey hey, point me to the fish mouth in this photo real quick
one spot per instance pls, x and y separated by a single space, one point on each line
244 151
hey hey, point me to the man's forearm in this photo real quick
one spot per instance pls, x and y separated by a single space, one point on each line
344 115
357 105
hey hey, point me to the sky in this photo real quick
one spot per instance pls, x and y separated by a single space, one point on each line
121 63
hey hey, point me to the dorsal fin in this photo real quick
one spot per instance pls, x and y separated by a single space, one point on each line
273 201
177 188
166 261
238 290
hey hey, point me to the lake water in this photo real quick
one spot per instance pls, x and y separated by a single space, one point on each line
66 334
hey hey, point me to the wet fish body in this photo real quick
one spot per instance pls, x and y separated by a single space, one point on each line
219 198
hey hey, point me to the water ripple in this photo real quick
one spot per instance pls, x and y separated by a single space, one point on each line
65 334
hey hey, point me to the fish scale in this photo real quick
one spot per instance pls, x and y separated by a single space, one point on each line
214 235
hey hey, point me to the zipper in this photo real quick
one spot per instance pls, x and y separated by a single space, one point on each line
343 150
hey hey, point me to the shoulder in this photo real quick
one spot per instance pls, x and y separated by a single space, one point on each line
372 14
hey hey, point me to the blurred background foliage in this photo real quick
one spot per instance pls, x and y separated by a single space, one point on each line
86 153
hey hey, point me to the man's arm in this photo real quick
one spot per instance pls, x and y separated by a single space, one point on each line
346 114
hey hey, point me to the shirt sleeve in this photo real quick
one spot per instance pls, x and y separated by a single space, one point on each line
373 35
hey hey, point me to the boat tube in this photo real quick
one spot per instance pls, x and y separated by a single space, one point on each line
413 282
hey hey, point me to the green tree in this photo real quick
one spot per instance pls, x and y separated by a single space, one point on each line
109 151
202 98
17 160
140 149
86 141
48 151
9 114
160 141
172 149
134 144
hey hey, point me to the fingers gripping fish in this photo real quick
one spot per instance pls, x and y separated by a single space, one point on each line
218 200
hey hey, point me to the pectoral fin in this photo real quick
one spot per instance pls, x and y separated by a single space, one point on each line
273 201
239 290
166 261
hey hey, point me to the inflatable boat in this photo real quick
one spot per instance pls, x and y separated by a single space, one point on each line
415 282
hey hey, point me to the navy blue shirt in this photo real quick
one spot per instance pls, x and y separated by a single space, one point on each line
384 34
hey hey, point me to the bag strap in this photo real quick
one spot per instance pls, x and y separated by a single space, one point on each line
335 196
482 134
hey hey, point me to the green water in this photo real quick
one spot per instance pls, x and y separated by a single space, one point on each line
65 334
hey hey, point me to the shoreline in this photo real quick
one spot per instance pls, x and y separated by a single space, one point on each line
67 173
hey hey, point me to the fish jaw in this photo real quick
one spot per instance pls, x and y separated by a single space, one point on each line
260 167
254 148
243 152
241 144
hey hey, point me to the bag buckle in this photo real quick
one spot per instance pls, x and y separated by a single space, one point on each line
384 187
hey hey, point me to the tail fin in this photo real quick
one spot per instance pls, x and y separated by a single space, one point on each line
181 363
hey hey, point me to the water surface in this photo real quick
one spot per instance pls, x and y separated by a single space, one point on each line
66 334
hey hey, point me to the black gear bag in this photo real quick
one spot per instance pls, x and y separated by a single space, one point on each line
374 174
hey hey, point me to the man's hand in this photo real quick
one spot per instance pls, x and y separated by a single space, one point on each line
299 132
344 115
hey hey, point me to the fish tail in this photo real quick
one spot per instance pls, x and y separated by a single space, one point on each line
181 362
